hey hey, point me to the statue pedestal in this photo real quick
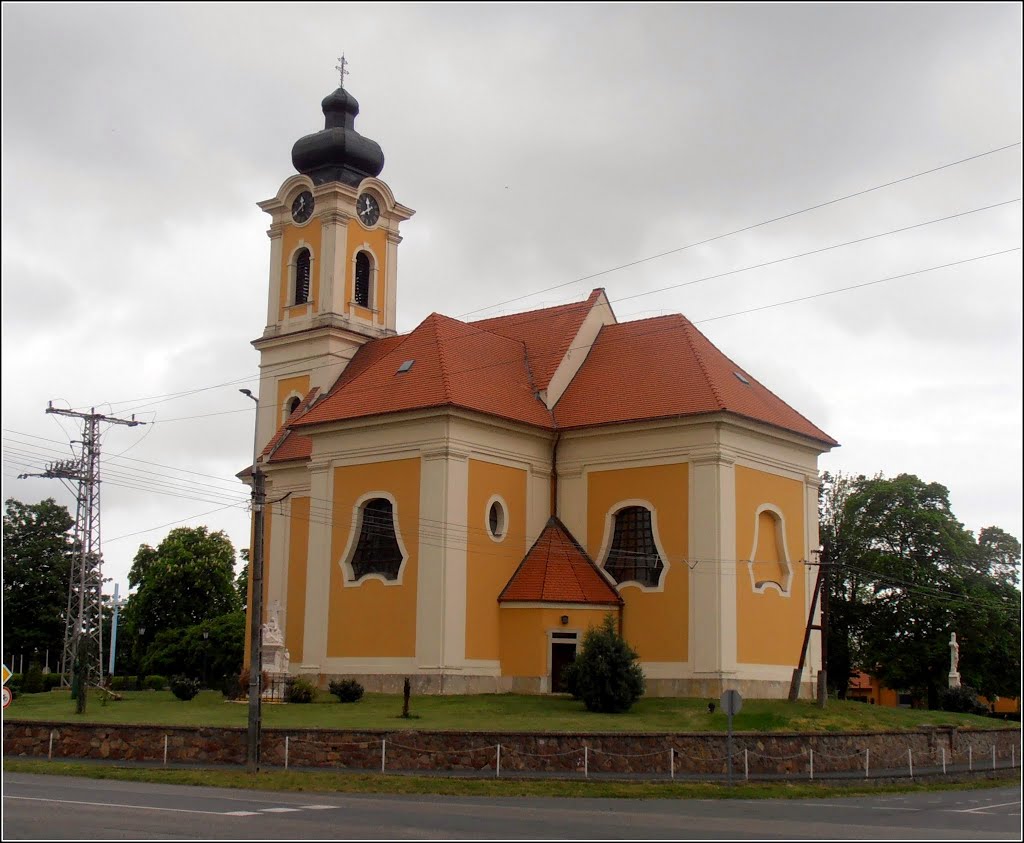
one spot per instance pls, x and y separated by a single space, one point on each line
275 661
954 680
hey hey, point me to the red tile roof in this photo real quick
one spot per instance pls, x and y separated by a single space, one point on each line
557 570
665 367
453 364
284 445
546 333
635 371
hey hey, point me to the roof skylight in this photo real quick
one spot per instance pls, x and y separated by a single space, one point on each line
741 378
405 367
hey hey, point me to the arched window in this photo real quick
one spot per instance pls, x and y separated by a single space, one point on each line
377 551
634 556
302 262
292 405
363 274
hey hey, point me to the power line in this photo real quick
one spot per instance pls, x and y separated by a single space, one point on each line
745 228
251 377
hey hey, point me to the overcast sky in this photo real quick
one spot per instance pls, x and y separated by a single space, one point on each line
539 145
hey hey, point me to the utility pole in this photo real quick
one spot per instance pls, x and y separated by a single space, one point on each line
259 502
84 619
259 498
820 588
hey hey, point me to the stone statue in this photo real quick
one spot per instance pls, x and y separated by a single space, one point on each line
272 628
954 653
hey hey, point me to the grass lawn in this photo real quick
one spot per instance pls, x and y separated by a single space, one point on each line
328 782
493 712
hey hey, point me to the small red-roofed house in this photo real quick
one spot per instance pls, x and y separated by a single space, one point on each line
461 503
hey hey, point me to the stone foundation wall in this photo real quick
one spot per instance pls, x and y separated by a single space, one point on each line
774 754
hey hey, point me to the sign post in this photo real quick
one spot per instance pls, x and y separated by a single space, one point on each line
731 702
8 696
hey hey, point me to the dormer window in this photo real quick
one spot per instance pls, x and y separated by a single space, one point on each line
293 405
302 273
362 280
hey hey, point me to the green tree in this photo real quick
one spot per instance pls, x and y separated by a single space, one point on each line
904 574
605 673
38 549
186 580
242 580
188 652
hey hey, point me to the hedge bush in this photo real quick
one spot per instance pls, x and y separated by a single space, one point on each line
346 690
298 689
184 688
155 682
963 700
51 681
33 681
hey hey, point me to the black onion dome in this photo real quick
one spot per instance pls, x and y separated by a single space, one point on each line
338 152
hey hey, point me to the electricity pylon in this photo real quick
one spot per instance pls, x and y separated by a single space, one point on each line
84 620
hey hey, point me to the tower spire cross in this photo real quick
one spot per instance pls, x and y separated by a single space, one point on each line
342 72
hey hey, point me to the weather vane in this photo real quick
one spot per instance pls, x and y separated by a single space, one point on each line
342 72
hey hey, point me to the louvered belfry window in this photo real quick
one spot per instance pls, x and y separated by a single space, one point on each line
302 277
362 287
634 556
377 551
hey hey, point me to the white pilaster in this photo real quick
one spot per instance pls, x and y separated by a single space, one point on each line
318 570
713 577
333 267
275 233
430 585
391 282
811 485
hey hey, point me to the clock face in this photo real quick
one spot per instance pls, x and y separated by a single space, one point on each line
302 207
367 208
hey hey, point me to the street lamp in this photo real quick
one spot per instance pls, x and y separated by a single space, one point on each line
256 608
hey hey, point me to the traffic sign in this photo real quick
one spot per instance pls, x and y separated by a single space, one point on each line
731 702
7 675
8 696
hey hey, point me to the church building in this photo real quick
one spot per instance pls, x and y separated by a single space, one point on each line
459 504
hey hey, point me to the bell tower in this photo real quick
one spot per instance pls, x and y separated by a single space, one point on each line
333 262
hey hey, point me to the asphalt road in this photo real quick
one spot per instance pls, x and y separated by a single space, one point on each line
57 807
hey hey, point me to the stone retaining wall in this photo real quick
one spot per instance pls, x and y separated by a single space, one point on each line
776 754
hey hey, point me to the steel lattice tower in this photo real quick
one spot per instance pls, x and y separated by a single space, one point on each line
84 621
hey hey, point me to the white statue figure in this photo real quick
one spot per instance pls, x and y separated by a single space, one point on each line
954 653
272 629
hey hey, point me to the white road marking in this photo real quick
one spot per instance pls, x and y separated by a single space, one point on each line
984 807
278 810
241 813
318 807
114 805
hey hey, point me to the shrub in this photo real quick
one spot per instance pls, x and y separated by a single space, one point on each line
963 700
346 690
51 681
14 683
155 682
183 687
33 682
298 689
118 683
605 674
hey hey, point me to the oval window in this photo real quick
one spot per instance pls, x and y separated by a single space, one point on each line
496 520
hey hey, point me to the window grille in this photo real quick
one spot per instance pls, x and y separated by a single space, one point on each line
362 286
377 551
634 556
302 261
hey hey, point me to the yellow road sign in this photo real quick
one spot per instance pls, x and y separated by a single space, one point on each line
7 675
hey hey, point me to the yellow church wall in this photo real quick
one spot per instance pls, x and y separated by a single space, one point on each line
770 625
377 241
654 622
309 235
298 555
490 564
525 645
373 618
299 385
